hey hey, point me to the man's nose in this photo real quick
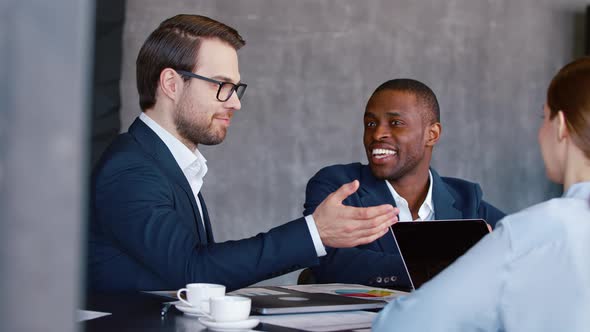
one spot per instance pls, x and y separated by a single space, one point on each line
233 102
381 132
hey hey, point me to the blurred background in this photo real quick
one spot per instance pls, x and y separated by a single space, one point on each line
68 88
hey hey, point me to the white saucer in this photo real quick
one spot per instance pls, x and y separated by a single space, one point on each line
229 326
188 310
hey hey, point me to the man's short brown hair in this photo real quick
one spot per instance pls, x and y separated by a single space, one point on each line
175 44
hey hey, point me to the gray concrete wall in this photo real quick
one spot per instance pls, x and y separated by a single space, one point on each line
311 66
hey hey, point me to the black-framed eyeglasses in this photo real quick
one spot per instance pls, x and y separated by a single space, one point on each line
225 88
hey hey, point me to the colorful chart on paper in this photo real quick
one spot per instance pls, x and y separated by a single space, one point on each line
363 292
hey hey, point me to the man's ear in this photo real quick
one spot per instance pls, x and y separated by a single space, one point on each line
170 84
561 126
433 132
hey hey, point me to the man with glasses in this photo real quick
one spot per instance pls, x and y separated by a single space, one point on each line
150 228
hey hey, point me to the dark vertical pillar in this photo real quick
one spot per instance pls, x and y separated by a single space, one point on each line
106 101
587 31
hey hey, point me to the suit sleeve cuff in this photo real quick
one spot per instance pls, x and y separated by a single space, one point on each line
315 236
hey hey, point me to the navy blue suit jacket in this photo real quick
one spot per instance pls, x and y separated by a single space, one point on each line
379 263
146 232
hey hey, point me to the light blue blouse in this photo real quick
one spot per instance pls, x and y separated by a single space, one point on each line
532 273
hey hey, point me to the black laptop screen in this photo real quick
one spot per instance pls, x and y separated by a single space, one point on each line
428 247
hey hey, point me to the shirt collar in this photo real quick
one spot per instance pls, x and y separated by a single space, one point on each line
579 190
428 199
184 157
426 207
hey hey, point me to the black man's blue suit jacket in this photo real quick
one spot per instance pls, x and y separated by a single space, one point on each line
146 232
379 263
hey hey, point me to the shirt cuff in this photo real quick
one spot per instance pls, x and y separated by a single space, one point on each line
315 236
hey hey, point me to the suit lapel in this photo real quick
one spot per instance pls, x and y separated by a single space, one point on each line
207 222
373 192
444 203
153 145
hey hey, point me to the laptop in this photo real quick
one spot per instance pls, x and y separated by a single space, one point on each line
428 247
270 300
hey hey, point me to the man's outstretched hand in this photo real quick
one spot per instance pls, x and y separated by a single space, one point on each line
342 226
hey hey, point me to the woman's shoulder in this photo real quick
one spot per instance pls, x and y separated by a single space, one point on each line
544 223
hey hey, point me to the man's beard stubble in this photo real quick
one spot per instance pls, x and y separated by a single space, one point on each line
409 165
194 128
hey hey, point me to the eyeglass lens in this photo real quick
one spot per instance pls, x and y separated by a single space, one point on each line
226 89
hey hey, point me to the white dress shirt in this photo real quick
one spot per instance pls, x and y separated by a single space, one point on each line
530 274
192 163
426 211
194 167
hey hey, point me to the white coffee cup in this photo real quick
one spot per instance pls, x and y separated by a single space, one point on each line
198 294
229 308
